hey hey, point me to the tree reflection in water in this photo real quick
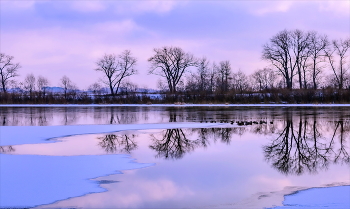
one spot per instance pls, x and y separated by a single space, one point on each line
174 143
304 143
341 131
113 143
301 146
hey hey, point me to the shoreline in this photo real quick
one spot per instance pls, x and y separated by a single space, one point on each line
175 105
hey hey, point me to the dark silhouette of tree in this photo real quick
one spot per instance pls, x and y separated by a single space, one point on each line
113 143
126 66
340 48
173 145
223 72
278 52
116 68
300 147
199 81
171 63
8 70
300 42
288 52
67 85
204 134
316 47
202 76
340 152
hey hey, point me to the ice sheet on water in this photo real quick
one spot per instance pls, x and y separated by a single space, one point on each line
314 198
37 180
31 180
15 135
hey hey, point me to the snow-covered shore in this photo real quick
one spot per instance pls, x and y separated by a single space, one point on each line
175 105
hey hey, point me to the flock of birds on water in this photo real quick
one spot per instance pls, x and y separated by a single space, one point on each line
240 123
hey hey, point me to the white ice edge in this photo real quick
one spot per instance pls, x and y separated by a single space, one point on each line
15 135
175 105
333 196
296 197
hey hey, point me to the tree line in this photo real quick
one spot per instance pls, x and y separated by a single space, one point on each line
301 65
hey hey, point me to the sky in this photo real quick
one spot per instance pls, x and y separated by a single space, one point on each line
57 37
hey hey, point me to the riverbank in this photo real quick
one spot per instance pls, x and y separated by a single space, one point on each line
175 105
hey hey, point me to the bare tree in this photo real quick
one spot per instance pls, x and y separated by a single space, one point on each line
264 78
173 145
116 69
29 83
199 81
240 81
278 52
42 83
126 67
67 85
171 63
108 65
317 45
211 75
340 47
224 72
202 74
300 47
288 52
8 70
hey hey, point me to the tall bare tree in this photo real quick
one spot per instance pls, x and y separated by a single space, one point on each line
224 72
211 75
288 52
202 74
116 69
171 63
300 46
278 53
108 65
126 67
340 48
316 47
8 70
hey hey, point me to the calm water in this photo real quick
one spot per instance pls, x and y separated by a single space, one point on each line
202 167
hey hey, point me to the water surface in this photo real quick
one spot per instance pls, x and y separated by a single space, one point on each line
202 167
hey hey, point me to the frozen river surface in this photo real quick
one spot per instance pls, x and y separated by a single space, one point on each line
175 157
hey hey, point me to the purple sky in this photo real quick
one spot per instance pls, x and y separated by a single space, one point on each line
57 37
